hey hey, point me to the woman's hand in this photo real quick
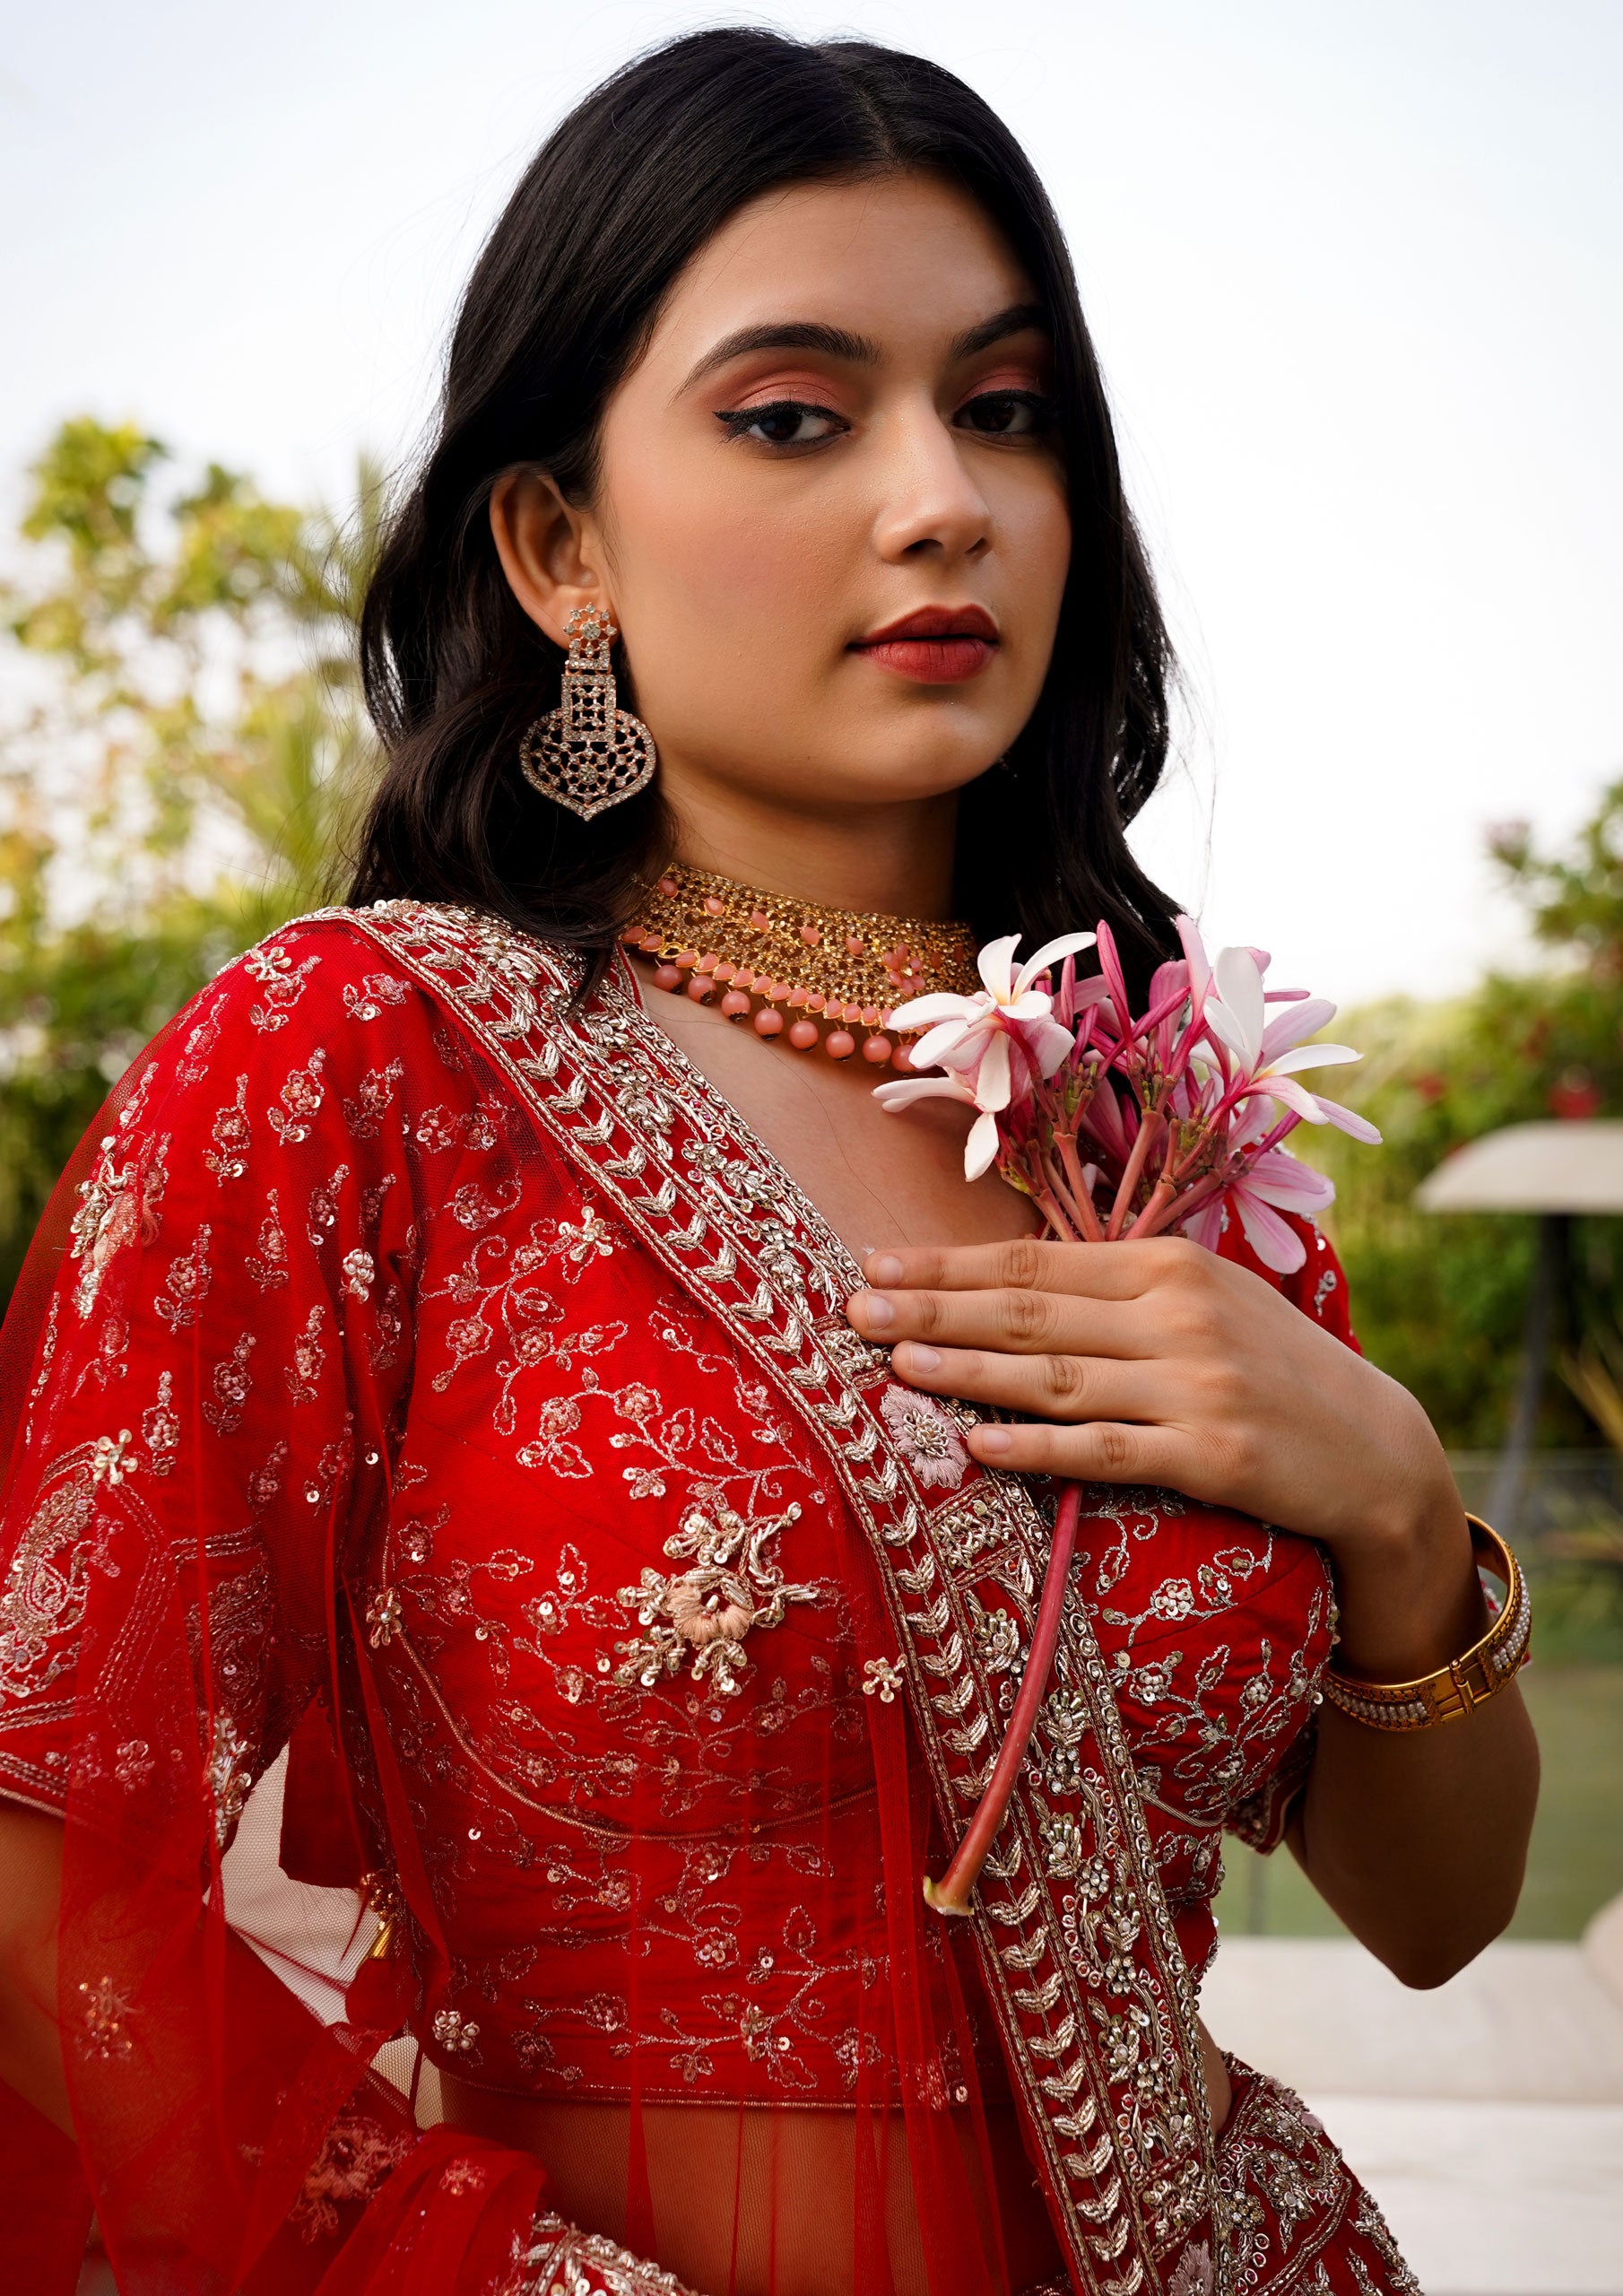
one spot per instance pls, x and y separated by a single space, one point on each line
1160 1363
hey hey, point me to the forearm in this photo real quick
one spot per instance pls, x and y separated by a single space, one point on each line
1418 1839
30 2038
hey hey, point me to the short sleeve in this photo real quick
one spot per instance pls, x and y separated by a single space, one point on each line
222 1361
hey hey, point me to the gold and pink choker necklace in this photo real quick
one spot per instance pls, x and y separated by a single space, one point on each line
813 975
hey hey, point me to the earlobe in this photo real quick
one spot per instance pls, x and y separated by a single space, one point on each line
540 540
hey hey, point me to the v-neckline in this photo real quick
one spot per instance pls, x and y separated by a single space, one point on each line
824 1238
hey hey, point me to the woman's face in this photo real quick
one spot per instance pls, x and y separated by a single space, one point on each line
840 424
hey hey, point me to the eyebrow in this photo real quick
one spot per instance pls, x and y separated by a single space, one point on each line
858 349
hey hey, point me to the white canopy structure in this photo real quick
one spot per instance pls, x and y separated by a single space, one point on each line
1556 1171
1572 1167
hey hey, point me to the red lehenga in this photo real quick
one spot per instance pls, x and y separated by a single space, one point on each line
441 1376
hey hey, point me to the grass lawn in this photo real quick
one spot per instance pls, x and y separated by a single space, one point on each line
1576 1863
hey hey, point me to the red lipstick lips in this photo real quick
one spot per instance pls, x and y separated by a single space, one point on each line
934 644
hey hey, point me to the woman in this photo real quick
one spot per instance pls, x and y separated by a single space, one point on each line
458 1369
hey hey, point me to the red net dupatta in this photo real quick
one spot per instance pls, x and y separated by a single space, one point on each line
211 1370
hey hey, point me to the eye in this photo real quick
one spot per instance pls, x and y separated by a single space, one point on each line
1008 415
783 422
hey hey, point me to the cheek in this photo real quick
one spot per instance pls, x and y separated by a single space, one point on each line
1036 530
716 573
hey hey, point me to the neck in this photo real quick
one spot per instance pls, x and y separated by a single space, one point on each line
889 860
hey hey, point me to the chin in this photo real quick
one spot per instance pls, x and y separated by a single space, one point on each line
917 769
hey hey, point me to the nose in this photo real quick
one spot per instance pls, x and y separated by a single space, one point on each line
930 503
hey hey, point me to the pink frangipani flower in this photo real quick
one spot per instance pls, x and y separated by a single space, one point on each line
991 1044
1263 1054
1273 1179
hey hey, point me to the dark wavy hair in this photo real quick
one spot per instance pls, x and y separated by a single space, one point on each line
562 301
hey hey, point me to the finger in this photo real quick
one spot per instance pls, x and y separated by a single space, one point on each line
1010 1322
1065 1388
1031 1262
1105 1451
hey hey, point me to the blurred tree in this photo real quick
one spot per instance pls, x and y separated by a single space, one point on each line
186 744
1439 1301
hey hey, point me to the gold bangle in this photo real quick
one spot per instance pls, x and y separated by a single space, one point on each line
1465 1683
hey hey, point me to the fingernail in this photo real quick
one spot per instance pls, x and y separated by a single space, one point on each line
987 1439
877 1312
923 1359
884 1268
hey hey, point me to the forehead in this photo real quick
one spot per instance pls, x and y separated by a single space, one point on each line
908 260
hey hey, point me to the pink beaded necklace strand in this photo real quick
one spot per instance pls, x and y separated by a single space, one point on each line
814 976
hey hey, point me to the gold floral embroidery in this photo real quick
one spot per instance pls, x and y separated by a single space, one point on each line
460 2176
376 990
113 1458
699 1617
356 2157
229 1777
47 1584
160 1427
133 1764
112 1342
376 1094
360 1273
456 2034
309 1356
382 1617
102 2012
324 1206
232 1385
268 1267
119 1205
200 1043
232 1135
186 1285
283 983
708 1209
301 1098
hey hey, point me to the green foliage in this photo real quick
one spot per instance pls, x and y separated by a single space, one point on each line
180 776
1440 1298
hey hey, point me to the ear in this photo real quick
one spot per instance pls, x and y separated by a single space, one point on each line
549 550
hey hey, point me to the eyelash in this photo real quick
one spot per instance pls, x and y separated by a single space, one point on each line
739 422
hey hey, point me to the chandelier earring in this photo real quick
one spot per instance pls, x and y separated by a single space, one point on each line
589 754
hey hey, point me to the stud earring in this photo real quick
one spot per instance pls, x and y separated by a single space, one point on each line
589 754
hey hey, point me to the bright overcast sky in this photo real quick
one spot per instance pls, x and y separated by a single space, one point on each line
1356 274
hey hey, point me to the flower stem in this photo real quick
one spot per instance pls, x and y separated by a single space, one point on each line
1181 1208
1136 1162
951 1894
1092 1227
1149 1218
1162 1193
1054 1212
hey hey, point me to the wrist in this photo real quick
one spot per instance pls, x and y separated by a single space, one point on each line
1407 1591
